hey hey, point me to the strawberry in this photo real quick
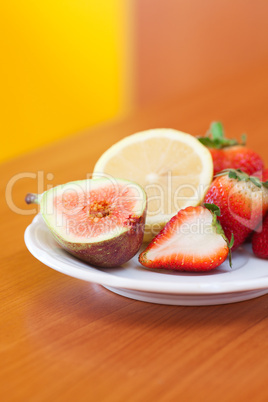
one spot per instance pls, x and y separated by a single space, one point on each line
260 240
192 240
228 153
243 201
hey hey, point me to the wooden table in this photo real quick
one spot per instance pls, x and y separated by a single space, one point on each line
63 339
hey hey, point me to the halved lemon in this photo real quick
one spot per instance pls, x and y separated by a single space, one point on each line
173 167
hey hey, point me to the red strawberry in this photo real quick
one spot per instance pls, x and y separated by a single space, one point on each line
260 241
243 201
192 240
228 153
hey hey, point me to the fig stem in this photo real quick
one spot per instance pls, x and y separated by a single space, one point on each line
32 198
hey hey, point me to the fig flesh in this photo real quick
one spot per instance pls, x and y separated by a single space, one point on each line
100 221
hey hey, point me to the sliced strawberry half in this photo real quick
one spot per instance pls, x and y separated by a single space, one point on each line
193 240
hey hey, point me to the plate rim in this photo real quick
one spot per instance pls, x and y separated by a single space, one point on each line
96 275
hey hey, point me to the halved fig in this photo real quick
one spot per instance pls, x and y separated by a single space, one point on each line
100 221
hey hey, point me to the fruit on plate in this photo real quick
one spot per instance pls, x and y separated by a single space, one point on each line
193 240
228 153
100 221
243 201
174 168
260 240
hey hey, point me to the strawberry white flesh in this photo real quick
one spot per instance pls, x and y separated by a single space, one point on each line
188 242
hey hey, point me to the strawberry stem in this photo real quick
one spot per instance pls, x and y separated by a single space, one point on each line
230 245
215 210
216 130
215 137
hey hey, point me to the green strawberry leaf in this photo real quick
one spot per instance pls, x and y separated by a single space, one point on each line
213 208
216 129
223 172
208 142
233 174
215 137
255 181
242 175
239 175
230 245
265 184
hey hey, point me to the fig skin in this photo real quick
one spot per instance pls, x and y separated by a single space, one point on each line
108 253
112 251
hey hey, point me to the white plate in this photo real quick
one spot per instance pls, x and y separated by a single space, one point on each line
246 280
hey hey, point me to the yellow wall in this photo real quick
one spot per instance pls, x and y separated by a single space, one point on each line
62 68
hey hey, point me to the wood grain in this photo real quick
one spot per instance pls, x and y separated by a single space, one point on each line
63 339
